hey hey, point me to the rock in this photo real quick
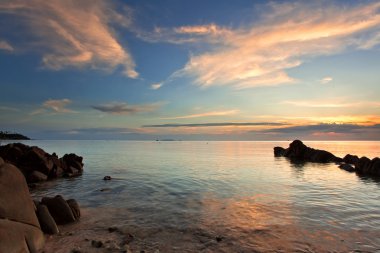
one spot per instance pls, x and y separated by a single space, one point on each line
29 159
366 166
298 151
74 207
19 227
59 209
351 159
218 238
96 244
107 178
112 229
37 176
279 151
347 167
47 222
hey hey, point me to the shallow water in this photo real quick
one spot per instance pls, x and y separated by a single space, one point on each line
181 196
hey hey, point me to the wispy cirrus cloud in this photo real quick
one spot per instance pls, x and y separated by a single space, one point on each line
222 124
5 46
122 108
331 104
54 106
325 128
205 114
73 33
283 38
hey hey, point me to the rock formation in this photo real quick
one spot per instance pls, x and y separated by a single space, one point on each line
37 165
19 227
300 152
297 151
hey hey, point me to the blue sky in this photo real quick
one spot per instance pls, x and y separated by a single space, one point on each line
190 70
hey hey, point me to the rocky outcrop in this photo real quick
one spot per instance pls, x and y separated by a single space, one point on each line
19 227
37 165
300 152
351 163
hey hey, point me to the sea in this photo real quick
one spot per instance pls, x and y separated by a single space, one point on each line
217 196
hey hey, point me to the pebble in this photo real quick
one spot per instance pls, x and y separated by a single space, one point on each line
96 244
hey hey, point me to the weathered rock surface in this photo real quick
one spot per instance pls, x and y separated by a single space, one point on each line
300 152
59 209
47 222
74 207
37 165
19 227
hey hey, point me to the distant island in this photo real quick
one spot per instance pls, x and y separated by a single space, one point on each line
5 135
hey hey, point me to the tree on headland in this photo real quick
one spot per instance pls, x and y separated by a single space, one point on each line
6 135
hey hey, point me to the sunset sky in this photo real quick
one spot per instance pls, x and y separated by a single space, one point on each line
190 70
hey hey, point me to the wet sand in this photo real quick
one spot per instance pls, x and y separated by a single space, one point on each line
102 230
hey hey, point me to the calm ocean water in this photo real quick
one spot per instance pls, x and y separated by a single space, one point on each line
185 194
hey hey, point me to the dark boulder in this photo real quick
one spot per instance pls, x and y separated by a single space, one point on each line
278 151
351 159
297 151
19 227
366 166
59 209
74 207
37 176
47 222
30 159
347 167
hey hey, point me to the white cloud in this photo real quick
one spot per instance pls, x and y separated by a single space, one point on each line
5 46
286 35
156 86
326 80
74 33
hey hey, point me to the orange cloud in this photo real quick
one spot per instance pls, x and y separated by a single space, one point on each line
74 33
5 46
261 54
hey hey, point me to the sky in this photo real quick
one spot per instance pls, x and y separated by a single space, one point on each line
190 70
